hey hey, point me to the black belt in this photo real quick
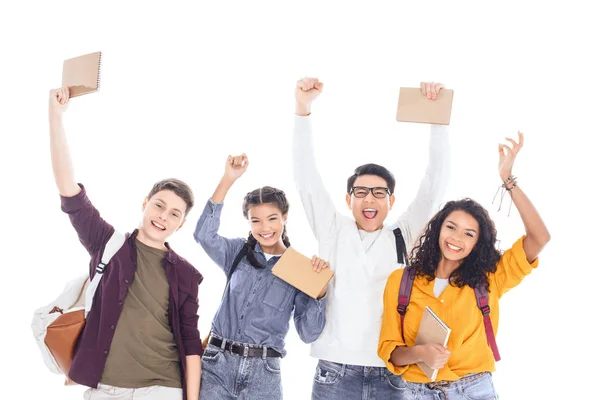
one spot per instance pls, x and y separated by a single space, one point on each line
242 350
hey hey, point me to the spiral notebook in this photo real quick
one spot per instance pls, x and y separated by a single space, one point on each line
82 74
413 106
431 330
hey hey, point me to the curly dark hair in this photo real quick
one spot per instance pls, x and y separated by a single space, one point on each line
265 194
474 269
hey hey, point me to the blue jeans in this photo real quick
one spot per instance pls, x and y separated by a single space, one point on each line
230 376
335 381
469 387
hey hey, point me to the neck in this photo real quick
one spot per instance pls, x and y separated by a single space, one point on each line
445 268
363 229
142 237
278 248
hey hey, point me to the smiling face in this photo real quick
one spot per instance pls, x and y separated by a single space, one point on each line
164 214
370 212
458 235
266 225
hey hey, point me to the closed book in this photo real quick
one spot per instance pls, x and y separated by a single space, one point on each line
431 330
297 270
414 106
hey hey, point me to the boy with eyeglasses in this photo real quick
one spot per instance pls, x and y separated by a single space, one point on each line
362 251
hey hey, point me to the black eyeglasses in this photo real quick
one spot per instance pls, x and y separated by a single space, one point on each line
363 191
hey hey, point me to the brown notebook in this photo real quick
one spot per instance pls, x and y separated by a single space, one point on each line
413 106
431 330
296 269
82 74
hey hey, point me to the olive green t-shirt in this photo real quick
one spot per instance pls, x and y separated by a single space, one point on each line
143 351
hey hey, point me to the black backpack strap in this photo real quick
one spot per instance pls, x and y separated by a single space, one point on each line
241 254
406 285
400 247
481 295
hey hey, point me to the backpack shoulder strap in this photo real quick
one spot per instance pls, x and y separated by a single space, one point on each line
241 254
482 297
400 246
110 249
406 285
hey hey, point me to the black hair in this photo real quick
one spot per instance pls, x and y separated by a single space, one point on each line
373 169
265 195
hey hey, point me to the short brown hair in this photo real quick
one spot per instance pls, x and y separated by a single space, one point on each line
178 187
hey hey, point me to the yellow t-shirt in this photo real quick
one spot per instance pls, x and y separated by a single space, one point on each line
457 307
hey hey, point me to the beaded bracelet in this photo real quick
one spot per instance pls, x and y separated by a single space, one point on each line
505 189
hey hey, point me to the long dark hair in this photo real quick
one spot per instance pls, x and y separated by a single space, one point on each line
264 195
482 260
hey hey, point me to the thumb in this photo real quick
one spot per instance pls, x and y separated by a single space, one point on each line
319 86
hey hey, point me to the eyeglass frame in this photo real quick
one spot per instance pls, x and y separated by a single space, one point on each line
370 190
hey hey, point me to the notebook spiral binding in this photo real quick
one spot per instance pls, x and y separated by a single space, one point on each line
99 70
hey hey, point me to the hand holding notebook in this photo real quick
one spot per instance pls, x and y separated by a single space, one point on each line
433 334
297 270
415 106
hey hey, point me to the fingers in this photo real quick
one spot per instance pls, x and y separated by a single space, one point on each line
238 161
431 89
515 144
441 349
319 264
521 138
61 95
308 83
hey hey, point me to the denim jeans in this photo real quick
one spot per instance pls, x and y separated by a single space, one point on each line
469 387
226 375
335 381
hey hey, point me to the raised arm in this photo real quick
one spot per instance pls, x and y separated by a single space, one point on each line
319 208
536 232
434 182
92 230
59 149
221 250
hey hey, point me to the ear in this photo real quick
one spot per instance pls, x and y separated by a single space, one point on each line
392 200
144 204
348 200
285 218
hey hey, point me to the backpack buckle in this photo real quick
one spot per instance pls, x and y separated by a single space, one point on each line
401 309
485 310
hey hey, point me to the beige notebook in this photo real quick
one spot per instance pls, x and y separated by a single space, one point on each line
431 330
413 106
297 270
82 74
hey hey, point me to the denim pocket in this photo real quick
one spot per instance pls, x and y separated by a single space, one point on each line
327 373
480 388
279 294
273 364
210 354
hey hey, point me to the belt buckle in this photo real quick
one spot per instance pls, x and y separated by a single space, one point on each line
439 384
245 350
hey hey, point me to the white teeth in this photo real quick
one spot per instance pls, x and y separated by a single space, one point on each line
158 225
452 247
267 236
369 209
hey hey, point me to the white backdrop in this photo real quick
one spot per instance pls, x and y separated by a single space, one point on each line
184 85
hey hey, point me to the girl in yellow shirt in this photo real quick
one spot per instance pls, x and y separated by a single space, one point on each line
457 253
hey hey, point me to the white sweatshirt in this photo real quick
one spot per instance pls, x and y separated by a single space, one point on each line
362 261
